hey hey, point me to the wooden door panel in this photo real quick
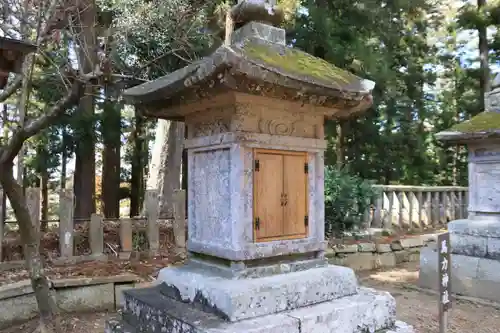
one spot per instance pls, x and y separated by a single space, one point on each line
267 195
295 189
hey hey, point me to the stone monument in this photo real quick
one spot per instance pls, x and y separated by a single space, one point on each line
475 241
254 111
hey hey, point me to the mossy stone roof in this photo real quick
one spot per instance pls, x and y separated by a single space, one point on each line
484 125
483 122
261 59
295 61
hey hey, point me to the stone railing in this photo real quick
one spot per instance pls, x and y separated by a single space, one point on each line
416 207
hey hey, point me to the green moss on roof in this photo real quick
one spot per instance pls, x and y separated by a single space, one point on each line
298 62
483 122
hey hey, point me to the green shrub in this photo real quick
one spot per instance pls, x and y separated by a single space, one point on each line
347 197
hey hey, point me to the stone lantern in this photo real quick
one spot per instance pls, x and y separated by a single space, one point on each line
12 53
475 241
254 112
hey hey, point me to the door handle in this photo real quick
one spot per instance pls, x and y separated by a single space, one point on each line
284 199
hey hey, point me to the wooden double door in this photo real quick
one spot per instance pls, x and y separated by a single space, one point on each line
280 195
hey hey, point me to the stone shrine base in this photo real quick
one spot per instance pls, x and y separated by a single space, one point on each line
475 259
327 301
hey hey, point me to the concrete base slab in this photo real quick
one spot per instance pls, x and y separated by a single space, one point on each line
470 276
235 300
148 311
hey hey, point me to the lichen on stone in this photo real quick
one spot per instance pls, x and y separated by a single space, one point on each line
483 122
298 62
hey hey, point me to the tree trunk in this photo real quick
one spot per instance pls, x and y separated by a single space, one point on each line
158 155
171 169
84 180
137 172
111 124
484 79
49 314
64 159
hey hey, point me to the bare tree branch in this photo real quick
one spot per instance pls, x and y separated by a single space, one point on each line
11 89
21 134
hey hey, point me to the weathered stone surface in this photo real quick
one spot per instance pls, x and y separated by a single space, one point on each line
360 261
82 298
367 311
470 276
96 298
401 327
468 245
410 242
346 248
241 299
493 248
221 200
479 227
245 272
119 289
148 311
383 248
385 260
366 247
396 246
259 30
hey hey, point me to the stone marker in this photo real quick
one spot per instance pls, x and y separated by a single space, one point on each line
179 225
475 241
33 202
152 221
254 112
66 223
96 235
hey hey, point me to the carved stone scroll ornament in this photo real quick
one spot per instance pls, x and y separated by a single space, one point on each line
276 127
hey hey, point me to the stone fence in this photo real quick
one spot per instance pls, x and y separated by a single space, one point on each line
96 223
416 207
398 207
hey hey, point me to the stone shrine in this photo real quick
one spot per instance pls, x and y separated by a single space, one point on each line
254 111
475 241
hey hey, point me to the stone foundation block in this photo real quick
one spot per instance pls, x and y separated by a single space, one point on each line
367 311
235 300
474 246
470 276
148 311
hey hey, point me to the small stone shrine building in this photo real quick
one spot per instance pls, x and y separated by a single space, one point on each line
254 112
475 241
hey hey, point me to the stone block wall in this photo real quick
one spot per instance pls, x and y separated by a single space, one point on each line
368 255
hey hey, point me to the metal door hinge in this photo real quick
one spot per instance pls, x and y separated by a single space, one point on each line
306 220
257 165
306 168
257 223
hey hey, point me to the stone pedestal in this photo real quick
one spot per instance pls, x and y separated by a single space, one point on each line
475 241
254 113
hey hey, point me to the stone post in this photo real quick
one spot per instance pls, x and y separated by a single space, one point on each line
125 238
179 225
153 232
96 235
33 202
66 223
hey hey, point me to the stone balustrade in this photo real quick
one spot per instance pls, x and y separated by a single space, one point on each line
416 207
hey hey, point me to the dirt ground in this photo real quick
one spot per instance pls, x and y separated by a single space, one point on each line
414 307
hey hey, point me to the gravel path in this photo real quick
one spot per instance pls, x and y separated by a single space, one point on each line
413 306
